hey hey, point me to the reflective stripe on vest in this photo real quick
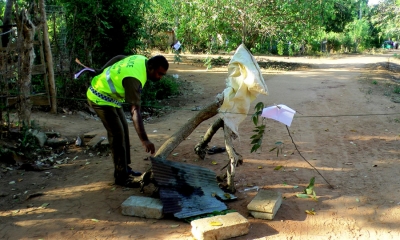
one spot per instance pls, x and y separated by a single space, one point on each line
111 84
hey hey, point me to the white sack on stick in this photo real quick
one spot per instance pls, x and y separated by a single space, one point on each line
244 83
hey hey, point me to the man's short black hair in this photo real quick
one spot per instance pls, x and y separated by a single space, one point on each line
158 61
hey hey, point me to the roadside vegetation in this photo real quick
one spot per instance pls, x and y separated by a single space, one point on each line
89 31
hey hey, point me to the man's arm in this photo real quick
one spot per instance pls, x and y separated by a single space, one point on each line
139 127
94 72
110 62
132 96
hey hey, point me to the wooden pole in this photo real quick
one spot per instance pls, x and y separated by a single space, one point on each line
43 63
49 58
171 143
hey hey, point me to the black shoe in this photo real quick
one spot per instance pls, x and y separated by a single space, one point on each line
133 173
216 149
129 183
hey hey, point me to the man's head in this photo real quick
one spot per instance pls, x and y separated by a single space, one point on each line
157 67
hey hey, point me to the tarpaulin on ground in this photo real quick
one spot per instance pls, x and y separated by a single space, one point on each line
188 190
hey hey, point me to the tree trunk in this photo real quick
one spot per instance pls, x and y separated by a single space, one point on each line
26 54
7 23
171 143
201 148
5 38
234 159
49 58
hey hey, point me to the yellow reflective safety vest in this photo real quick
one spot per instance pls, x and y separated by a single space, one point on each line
107 89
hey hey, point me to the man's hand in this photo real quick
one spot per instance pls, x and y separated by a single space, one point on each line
149 146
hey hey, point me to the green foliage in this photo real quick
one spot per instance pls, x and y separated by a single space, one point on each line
256 139
310 189
177 57
168 86
281 47
27 144
396 89
208 25
100 30
209 62
335 41
358 31
386 19
290 50
278 148
259 107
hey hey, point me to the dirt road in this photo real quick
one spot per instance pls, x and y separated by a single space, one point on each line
343 127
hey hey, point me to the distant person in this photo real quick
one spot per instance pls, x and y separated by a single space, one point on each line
395 45
176 45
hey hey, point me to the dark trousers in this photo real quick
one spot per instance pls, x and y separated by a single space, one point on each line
115 123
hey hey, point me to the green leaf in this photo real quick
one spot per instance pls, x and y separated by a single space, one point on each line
255 120
310 188
216 223
261 127
311 212
302 195
259 106
44 205
277 168
272 149
254 136
254 148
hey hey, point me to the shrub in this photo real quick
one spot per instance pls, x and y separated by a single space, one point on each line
281 47
396 89
168 86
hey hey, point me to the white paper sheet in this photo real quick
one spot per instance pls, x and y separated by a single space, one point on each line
280 113
177 46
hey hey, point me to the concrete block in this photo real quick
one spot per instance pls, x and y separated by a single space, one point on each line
139 206
262 215
265 204
231 225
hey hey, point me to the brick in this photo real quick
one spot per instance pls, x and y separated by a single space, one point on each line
262 215
139 206
265 204
233 225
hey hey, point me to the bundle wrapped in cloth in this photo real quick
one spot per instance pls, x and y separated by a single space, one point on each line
244 83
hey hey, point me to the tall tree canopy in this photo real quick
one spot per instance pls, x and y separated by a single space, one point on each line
386 18
102 29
